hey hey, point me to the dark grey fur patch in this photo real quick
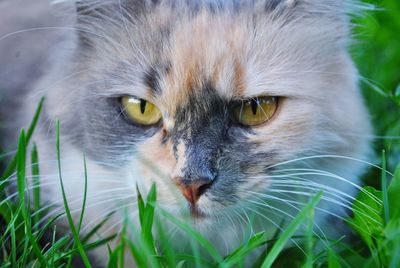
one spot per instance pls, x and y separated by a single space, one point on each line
201 125
217 148
100 128
271 5
153 75
151 78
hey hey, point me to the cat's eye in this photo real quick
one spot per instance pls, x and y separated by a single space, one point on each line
255 111
140 111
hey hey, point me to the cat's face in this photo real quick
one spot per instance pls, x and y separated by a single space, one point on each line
175 93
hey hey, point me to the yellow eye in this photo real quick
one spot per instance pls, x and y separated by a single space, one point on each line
256 111
140 111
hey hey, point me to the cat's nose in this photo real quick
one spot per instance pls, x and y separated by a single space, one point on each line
192 190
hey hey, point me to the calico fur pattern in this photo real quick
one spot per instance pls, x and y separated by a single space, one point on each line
193 59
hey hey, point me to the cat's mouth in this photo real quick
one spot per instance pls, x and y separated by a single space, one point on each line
195 212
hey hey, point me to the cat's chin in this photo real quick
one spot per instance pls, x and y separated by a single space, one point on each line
192 213
196 214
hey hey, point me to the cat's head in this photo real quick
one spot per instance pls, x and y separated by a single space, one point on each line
209 98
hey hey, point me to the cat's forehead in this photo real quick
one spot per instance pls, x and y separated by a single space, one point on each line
250 51
205 52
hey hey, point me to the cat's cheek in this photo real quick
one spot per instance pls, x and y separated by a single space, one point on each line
256 184
153 162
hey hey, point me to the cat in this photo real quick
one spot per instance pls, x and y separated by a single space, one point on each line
239 112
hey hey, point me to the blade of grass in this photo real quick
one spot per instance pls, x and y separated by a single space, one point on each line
333 260
135 252
13 234
165 248
148 218
195 247
48 224
84 196
25 253
11 167
274 238
56 245
113 257
240 253
10 214
290 230
13 246
96 228
141 205
78 243
195 235
310 240
36 183
21 158
145 246
86 247
121 255
189 258
386 208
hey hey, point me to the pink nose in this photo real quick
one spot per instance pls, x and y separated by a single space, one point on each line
192 190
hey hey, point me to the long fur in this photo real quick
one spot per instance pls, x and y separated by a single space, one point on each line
200 56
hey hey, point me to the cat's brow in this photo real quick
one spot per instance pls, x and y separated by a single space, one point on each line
153 75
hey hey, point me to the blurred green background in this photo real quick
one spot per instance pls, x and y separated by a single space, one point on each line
377 54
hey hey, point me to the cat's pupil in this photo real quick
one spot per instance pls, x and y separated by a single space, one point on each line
143 106
254 106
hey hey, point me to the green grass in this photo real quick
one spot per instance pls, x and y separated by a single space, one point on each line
375 218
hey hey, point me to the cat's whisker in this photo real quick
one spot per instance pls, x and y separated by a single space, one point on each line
312 187
74 176
7 154
79 199
248 223
53 181
262 202
340 200
328 156
117 223
245 223
231 226
61 209
327 190
317 208
274 224
61 28
101 216
307 194
171 233
295 180
41 92
323 174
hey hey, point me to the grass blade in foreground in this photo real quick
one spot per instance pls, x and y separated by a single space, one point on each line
20 165
240 253
11 167
195 235
68 212
385 189
290 230
36 183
